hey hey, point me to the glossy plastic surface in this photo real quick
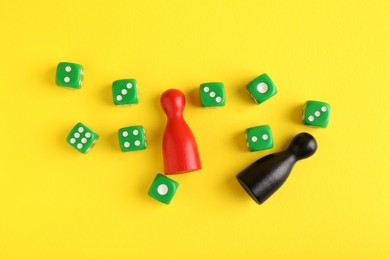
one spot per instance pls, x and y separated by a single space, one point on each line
265 176
180 151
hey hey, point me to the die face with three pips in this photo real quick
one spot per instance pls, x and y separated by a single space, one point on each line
316 113
132 138
163 188
261 88
82 138
69 75
125 92
259 138
212 94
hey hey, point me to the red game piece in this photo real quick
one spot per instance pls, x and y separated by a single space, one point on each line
180 152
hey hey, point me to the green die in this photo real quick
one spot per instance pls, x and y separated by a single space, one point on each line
261 88
82 138
132 138
69 75
316 113
212 94
124 92
163 188
259 138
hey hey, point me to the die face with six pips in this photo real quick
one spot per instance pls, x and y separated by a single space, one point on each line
212 94
82 138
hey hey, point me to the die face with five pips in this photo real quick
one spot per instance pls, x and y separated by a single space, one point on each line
82 138
259 138
261 88
316 113
69 75
125 92
212 94
163 188
132 138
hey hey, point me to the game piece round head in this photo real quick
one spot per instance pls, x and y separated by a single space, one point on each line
173 102
303 145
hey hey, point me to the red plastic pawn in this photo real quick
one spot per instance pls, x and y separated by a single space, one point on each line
180 151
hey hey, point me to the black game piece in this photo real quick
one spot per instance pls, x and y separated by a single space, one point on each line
262 178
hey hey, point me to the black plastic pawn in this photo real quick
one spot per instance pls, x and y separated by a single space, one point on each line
265 176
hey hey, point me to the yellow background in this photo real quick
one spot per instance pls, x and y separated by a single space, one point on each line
57 203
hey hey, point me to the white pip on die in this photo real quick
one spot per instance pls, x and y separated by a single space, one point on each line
125 92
